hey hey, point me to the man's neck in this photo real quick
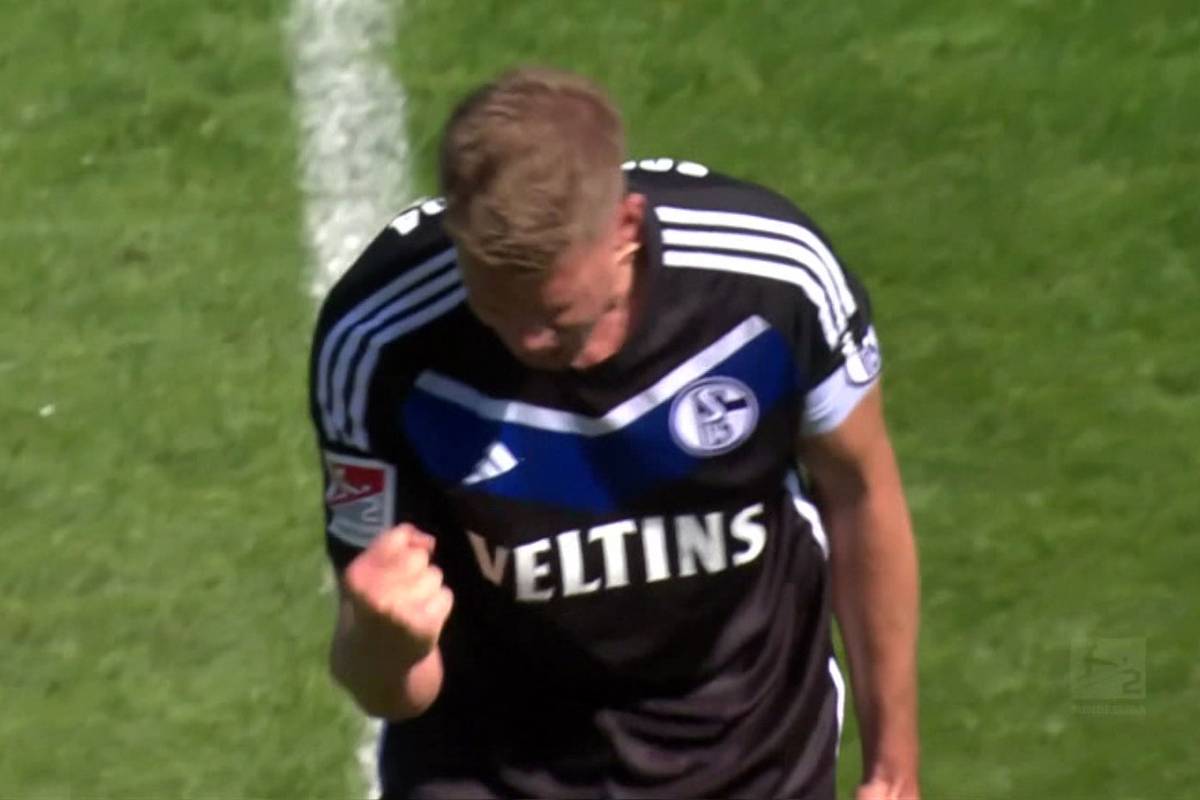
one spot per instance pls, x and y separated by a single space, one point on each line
614 329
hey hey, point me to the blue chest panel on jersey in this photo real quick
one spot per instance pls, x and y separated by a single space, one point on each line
571 462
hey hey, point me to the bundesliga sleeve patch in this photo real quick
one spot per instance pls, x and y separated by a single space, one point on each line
829 403
360 497
863 361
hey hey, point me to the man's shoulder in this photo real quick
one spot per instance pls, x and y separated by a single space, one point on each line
408 262
711 221
742 245
674 183
389 304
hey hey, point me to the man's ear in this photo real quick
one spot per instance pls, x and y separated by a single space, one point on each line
629 218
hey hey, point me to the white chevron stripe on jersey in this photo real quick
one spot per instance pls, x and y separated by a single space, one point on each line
762 245
626 413
831 277
357 420
808 511
393 312
748 265
839 686
365 313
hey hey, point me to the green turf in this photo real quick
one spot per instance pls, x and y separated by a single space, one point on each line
160 618
1016 183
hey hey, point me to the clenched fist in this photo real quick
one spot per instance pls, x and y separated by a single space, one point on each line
397 593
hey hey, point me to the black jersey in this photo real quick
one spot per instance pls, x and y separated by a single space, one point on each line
641 586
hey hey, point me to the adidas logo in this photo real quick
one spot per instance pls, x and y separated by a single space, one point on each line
496 461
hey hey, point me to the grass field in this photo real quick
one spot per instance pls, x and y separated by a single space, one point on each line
1017 183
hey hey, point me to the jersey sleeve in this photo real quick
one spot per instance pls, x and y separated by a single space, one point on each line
371 481
842 348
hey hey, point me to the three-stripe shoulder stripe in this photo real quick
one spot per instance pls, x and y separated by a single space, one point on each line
737 242
350 350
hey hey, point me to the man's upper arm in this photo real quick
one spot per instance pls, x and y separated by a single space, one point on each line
365 354
838 349
370 481
842 462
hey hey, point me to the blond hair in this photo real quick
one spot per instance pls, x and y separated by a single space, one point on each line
530 165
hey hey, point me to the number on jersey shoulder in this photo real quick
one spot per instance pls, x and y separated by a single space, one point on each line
690 168
409 219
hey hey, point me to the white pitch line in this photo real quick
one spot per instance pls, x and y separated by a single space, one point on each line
354 147
353 156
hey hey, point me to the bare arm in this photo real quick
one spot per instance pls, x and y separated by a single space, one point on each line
366 665
873 565
391 609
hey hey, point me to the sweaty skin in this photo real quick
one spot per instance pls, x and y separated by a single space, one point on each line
873 567
391 611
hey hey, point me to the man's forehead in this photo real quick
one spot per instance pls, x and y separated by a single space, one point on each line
573 267
495 292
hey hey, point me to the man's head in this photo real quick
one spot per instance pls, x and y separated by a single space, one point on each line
536 204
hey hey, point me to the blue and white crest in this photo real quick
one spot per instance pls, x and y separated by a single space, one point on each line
713 416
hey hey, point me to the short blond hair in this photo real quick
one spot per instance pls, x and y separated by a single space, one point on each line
530 165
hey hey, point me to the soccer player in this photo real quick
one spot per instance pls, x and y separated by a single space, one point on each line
604 455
